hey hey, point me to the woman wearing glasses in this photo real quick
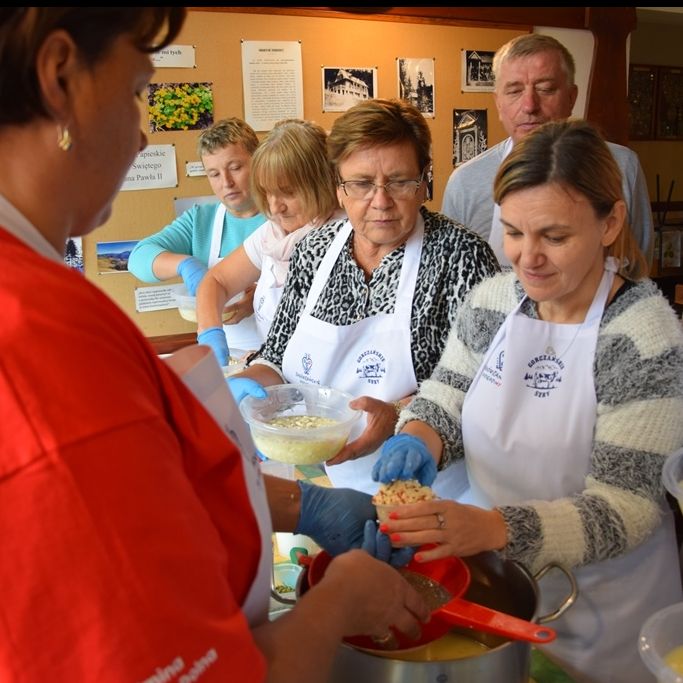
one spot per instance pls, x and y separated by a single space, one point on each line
369 301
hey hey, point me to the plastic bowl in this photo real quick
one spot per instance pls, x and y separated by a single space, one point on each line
661 642
672 476
285 576
187 305
286 425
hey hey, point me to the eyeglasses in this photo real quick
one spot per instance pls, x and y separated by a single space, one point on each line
396 189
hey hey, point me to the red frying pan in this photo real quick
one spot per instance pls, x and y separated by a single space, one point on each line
431 579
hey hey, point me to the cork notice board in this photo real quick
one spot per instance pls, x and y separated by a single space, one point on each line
361 43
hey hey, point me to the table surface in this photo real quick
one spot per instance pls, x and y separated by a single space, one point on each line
542 669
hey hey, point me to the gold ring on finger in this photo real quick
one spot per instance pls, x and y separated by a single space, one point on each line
441 520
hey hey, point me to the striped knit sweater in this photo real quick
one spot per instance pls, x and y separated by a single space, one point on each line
638 370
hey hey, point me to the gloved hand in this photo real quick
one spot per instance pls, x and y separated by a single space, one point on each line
243 386
405 456
334 518
379 545
215 338
192 270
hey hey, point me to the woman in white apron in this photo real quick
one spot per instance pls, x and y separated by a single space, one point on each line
348 318
293 184
574 401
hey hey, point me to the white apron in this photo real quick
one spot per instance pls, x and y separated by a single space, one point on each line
243 336
528 425
370 357
197 367
496 234
266 297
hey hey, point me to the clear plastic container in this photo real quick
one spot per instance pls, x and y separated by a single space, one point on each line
187 304
672 476
299 423
661 644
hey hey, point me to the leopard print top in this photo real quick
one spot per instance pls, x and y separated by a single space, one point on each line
453 260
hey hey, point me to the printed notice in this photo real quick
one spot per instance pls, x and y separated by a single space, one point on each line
272 81
153 168
194 168
155 298
177 56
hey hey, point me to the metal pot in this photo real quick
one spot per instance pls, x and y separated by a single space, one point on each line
497 583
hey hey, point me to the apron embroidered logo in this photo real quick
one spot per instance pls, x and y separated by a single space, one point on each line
545 373
306 363
371 366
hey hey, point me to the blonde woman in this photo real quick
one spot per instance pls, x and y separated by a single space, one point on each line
292 182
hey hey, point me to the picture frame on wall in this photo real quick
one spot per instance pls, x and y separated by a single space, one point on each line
416 83
669 103
642 98
470 134
345 86
477 71
655 98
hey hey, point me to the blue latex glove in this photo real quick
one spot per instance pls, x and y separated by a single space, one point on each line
192 270
243 386
379 545
405 456
341 519
215 338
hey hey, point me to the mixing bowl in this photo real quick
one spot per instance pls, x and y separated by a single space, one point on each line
661 644
672 476
300 423
187 305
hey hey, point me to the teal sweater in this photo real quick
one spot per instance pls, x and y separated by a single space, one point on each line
190 234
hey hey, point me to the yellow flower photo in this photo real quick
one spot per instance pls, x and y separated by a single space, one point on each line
180 106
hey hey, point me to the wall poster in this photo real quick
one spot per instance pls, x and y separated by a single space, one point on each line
416 83
470 134
272 82
345 86
477 71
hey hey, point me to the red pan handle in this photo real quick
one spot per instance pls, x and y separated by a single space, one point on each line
464 613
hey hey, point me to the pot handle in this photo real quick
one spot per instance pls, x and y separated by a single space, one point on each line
571 596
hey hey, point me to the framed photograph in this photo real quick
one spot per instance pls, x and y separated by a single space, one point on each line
642 98
671 249
112 257
73 253
669 103
477 71
470 134
179 106
345 86
416 83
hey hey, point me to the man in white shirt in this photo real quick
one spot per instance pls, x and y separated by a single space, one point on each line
534 76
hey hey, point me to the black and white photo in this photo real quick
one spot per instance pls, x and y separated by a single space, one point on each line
477 71
416 83
470 134
345 86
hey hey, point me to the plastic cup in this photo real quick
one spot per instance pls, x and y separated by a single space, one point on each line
383 512
661 644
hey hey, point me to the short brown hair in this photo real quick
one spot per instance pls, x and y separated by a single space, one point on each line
379 122
293 158
532 44
574 155
231 131
24 29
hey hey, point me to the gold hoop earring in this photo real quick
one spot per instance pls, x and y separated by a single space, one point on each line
64 140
